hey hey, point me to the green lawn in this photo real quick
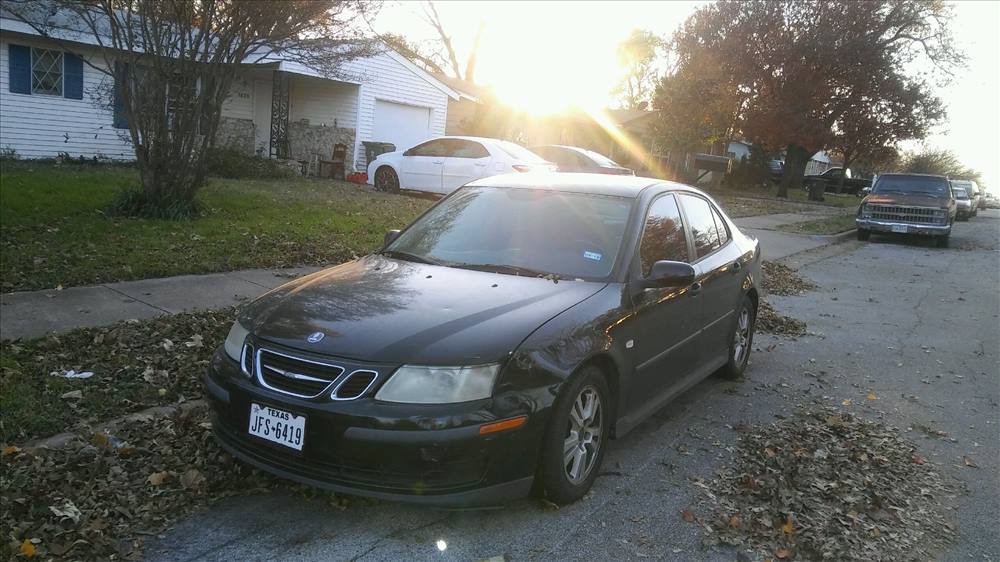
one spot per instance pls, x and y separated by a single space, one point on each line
55 232
827 225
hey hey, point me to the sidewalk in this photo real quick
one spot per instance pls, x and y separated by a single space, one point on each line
34 313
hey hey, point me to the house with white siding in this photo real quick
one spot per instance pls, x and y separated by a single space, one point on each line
54 101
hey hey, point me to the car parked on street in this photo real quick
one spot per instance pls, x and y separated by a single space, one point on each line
974 194
830 179
444 164
496 343
917 204
574 159
963 204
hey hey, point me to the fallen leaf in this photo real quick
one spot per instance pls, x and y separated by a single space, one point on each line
969 462
67 509
10 450
783 553
28 549
735 522
788 528
195 341
157 478
872 396
72 395
167 345
846 402
687 516
192 479
917 459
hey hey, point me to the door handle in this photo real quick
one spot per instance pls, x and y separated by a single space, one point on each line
695 288
437 161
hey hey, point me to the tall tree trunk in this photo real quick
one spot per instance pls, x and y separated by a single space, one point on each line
796 158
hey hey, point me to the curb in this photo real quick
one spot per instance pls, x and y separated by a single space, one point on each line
835 238
58 441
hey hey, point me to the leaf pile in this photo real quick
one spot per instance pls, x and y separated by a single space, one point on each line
769 321
135 364
97 497
830 486
779 279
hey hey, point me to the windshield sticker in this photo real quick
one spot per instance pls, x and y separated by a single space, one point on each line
592 256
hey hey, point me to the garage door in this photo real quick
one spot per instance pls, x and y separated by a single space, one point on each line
402 125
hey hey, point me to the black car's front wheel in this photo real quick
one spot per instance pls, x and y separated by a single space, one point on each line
575 438
739 346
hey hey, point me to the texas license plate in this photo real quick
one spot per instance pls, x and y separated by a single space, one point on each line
899 228
278 426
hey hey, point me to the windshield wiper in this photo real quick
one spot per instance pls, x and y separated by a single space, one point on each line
410 257
509 269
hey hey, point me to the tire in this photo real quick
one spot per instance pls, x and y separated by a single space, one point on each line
556 467
742 340
942 241
386 180
864 234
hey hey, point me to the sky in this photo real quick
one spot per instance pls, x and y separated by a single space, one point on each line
547 55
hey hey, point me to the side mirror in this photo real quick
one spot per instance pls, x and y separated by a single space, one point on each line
666 273
408 152
389 237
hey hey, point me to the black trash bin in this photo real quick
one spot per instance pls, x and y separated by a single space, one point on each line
373 149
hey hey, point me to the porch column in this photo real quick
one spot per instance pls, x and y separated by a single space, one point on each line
279 115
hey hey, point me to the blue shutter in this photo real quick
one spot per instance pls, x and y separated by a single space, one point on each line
121 81
72 77
19 68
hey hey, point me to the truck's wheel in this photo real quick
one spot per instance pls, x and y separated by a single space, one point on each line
864 234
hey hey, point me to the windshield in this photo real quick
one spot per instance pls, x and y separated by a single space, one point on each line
960 192
518 152
930 185
519 231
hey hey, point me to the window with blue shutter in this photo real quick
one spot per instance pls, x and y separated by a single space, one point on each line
72 77
19 68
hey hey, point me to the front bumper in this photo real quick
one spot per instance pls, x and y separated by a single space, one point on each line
911 228
425 454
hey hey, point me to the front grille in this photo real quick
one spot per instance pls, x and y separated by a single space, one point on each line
293 375
355 385
917 215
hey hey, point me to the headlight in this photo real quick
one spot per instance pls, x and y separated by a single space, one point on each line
866 212
439 385
234 341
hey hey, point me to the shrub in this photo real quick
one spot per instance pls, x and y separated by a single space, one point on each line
133 203
232 163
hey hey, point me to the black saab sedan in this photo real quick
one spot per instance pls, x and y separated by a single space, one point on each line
494 345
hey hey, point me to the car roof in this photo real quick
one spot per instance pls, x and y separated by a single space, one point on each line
600 184
462 137
903 174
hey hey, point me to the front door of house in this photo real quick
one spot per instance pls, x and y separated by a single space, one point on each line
262 116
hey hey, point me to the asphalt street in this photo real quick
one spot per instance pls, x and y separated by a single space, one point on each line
917 326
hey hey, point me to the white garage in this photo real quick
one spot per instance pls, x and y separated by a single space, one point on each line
402 125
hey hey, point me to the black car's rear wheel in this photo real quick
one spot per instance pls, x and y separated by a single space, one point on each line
573 447
386 180
742 340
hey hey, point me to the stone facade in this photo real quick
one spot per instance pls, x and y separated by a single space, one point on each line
305 139
235 133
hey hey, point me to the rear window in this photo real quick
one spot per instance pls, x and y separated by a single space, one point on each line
519 152
601 159
930 185
960 192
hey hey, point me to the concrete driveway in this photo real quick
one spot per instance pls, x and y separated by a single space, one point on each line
914 324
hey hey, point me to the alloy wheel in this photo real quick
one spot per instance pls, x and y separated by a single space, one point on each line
583 435
741 339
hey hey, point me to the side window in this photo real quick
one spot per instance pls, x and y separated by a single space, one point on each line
46 72
720 225
458 148
663 234
699 214
430 148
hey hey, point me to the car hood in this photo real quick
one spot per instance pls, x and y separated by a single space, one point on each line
909 199
386 310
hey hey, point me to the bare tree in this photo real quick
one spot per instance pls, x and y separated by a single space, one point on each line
172 63
438 55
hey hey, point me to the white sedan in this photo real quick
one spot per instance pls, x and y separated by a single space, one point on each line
444 164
